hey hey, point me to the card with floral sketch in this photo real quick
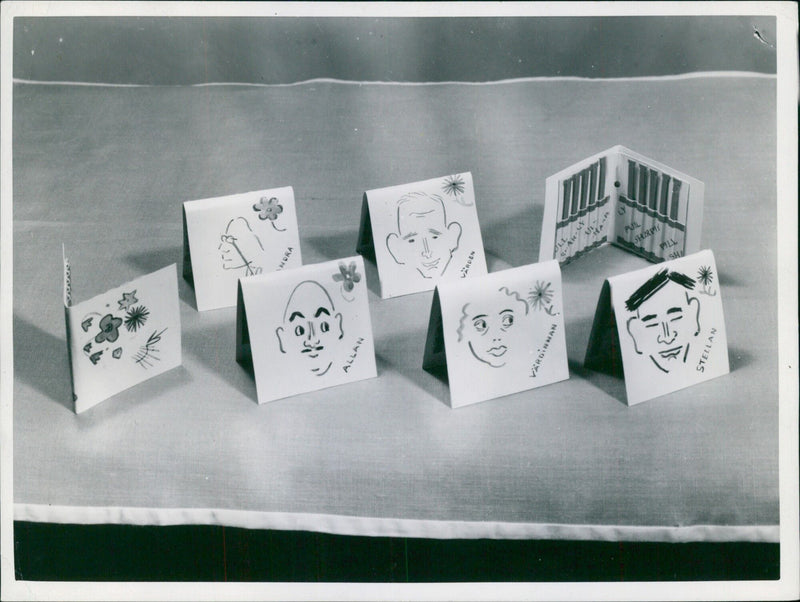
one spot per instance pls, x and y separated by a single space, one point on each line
305 329
499 334
122 337
231 237
422 233
664 324
624 198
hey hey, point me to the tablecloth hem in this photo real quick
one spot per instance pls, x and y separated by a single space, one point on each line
390 527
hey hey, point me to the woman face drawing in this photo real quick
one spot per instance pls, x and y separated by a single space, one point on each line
490 326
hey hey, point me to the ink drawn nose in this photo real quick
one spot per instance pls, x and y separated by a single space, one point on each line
667 335
426 250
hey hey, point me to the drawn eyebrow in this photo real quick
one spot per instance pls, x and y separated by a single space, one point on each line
673 310
296 314
409 235
648 317
421 213
321 310
502 311
478 316
434 231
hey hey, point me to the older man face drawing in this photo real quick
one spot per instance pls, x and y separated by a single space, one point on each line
666 319
423 239
311 328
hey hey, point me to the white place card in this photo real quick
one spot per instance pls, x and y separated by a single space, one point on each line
624 198
422 233
305 329
499 334
663 325
122 337
231 237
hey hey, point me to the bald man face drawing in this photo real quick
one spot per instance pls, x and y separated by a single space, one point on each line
311 328
423 239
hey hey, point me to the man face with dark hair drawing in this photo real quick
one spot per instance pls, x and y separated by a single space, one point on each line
491 326
311 328
423 239
666 319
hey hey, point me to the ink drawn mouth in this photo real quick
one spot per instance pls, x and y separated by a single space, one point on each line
429 265
671 354
497 351
313 352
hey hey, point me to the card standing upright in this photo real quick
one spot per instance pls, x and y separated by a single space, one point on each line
663 326
498 334
231 237
621 197
122 337
422 233
306 328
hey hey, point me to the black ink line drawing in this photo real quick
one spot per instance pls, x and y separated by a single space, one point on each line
311 328
136 317
541 298
485 323
127 300
95 357
149 352
705 276
349 277
423 239
86 324
109 329
87 347
239 247
665 320
454 186
269 209
117 353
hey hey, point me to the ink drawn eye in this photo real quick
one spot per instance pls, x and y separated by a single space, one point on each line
299 330
410 240
324 327
480 325
507 320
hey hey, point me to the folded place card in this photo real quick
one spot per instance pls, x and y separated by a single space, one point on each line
305 329
663 325
230 237
498 334
624 198
122 337
421 234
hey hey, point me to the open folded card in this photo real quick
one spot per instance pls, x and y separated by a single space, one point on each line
663 325
498 334
229 237
624 198
421 234
123 336
305 329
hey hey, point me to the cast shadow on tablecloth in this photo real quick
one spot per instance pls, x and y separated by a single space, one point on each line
153 260
402 353
41 360
214 346
514 240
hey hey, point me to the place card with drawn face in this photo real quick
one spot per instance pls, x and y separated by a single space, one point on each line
664 325
122 337
621 197
305 329
422 233
498 334
231 237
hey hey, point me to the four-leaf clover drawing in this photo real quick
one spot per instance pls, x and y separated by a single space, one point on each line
109 329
